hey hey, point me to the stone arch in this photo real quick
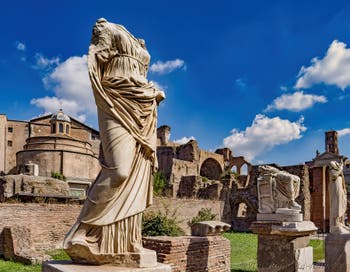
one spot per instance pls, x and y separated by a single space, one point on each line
211 169
244 170
234 169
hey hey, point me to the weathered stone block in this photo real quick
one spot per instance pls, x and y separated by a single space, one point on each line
337 253
209 228
283 246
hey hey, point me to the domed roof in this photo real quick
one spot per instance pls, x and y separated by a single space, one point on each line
60 116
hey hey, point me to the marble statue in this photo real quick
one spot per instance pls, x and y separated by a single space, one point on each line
337 198
109 225
277 190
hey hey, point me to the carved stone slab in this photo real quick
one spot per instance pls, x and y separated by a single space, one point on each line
209 228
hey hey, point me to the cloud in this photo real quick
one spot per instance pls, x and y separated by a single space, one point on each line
284 88
71 85
20 46
263 135
52 104
167 67
343 132
184 140
43 63
333 69
296 102
240 83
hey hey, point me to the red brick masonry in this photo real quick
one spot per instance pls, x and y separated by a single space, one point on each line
192 253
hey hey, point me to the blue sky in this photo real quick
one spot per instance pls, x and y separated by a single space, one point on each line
265 78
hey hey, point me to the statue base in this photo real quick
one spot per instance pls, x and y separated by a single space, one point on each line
82 255
68 266
337 252
280 217
283 246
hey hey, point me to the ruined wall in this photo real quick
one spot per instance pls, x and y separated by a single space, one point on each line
49 223
85 166
190 253
16 135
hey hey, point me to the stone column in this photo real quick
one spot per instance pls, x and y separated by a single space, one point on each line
283 246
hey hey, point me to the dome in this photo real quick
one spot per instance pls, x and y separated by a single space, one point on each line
60 116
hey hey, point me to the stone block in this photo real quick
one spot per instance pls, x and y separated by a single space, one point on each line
208 228
82 255
282 217
68 266
337 253
18 246
283 246
304 259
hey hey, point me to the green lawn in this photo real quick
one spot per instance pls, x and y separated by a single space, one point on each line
244 249
243 254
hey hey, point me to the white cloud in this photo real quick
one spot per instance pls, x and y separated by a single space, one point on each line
343 132
20 46
240 83
184 140
296 102
284 88
166 67
71 85
43 63
52 104
263 135
333 69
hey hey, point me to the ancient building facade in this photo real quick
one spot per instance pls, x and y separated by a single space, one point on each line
319 179
54 143
195 173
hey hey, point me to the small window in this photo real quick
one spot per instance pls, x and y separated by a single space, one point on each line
60 126
9 143
10 129
67 129
53 128
93 137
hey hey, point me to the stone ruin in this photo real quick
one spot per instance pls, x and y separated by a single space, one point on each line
195 173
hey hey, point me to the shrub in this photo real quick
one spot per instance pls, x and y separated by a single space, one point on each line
159 183
157 224
205 214
57 175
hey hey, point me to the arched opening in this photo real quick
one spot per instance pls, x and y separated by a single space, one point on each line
53 128
242 210
211 169
67 129
234 169
244 170
60 127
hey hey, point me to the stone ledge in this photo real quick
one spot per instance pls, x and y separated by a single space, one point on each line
295 229
68 266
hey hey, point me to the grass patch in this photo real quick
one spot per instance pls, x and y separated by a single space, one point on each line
8 266
243 251
318 246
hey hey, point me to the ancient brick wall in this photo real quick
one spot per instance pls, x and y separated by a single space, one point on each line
50 222
319 195
190 253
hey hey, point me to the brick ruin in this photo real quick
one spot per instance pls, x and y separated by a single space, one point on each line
199 174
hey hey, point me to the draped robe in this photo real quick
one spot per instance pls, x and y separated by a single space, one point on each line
110 220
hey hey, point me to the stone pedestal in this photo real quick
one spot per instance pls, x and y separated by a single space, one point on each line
68 266
283 246
337 253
